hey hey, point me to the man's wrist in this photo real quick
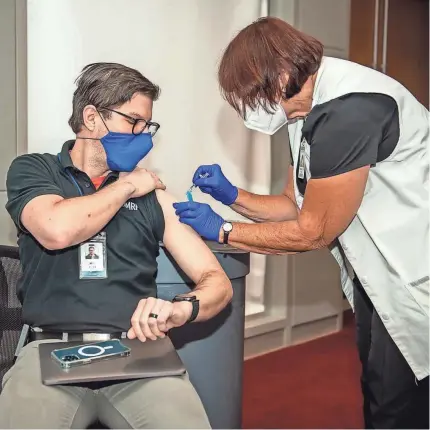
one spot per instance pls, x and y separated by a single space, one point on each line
184 308
128 186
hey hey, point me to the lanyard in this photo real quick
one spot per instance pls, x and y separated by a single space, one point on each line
302 150
72 178
301 160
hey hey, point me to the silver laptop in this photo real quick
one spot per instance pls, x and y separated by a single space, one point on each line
146 360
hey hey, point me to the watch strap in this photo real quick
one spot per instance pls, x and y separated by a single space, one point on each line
195 311
194 303
225 238
225 235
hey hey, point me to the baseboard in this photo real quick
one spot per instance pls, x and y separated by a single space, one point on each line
313 330
264 343
259 343
346 305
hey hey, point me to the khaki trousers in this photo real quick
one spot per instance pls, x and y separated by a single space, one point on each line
168 402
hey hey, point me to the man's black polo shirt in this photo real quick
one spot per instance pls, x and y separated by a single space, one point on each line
52 295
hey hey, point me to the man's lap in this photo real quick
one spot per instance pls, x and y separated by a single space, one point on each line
168 402
156 402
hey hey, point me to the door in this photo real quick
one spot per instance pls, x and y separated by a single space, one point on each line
392 36
407 45
364 23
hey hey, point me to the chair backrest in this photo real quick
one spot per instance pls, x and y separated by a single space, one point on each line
10 308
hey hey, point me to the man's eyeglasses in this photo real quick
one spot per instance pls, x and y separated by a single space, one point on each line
140 125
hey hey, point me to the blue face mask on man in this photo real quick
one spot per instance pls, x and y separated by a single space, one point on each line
124 150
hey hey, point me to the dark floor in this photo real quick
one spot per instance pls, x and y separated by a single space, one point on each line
312 385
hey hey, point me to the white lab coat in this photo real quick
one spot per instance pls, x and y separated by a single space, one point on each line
387 243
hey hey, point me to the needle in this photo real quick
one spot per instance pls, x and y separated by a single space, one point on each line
189 193
202 177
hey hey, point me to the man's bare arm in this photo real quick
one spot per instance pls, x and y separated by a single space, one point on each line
260 208
58 223
213 288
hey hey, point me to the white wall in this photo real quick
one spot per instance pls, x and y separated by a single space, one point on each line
176 44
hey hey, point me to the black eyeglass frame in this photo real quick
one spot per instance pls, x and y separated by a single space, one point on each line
136 121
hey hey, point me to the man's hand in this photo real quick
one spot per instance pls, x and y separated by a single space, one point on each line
153 318
143 180
215 184
201 218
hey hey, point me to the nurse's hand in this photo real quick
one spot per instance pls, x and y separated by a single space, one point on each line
201 218
215 184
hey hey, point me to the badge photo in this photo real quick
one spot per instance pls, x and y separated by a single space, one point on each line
92 258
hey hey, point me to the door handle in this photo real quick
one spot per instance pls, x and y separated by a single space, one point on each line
264 8
385 38
375 36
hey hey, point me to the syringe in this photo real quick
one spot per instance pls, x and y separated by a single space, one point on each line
189 193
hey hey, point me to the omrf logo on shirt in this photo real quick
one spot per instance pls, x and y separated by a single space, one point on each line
130 206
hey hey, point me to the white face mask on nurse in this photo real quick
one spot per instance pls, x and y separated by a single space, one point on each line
268 123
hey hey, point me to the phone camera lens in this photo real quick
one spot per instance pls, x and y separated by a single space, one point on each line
70 358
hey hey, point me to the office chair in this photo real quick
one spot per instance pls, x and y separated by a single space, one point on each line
10 308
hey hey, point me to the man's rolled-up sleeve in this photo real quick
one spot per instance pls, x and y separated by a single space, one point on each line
28 177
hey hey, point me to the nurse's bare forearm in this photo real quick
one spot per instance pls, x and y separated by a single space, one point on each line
276 238
260 208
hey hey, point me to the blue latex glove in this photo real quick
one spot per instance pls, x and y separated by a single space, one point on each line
216 184
201 218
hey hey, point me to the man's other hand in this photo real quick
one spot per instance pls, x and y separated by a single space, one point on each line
143 180
201 217
153 318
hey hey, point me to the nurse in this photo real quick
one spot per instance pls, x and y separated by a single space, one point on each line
358 183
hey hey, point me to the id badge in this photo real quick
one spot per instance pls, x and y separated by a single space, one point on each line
302 161
92 258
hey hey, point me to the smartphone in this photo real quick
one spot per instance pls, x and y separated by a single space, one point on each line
89 352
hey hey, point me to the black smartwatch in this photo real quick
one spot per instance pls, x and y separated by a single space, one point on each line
227 227
193 300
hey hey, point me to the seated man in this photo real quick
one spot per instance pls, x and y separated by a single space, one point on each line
92 193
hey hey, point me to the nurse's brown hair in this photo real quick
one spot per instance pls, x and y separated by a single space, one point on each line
253 67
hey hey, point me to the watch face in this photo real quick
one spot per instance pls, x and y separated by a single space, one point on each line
228 226
184 298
